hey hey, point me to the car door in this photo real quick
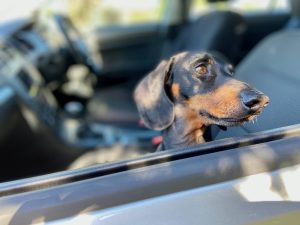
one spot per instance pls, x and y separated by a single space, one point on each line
232 181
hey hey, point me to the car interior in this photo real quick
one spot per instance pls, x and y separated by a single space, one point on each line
67 97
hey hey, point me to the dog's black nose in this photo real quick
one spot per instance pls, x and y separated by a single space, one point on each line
252 99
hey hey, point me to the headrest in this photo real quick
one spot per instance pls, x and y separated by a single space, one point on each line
295 8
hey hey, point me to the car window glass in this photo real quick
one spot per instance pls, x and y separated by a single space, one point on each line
104 13
199 7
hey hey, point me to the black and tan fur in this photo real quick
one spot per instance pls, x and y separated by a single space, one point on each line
191 91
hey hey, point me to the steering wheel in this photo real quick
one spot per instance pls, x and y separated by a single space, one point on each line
78 47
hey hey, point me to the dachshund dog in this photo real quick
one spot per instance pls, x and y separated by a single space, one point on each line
191 91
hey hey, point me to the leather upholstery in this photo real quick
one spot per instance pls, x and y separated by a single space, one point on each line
294 22
273 67
219 31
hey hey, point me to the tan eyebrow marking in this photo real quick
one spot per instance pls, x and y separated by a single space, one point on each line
175 89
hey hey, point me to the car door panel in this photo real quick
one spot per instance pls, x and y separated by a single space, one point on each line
240 185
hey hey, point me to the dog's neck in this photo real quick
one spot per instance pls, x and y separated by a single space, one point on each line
186 130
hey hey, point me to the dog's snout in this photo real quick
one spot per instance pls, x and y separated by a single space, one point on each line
253 100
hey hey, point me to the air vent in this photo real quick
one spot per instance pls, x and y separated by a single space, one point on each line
5 55
25 78
23 43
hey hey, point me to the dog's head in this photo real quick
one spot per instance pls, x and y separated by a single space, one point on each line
201 84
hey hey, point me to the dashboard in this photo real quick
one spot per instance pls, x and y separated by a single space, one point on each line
25 59
34 60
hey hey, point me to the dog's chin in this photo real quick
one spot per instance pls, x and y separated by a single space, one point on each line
230 121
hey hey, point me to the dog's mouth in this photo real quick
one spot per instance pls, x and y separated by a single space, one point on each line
231 121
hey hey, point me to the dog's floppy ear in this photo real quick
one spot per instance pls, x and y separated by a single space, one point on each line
153 103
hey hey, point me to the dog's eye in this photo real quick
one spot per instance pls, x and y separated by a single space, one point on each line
202 69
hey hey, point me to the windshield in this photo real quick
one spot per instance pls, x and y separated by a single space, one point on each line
15 9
